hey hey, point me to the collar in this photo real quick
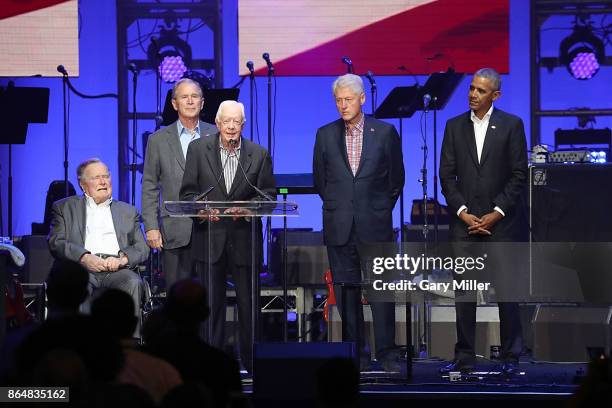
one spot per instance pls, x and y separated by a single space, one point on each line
235 149
92 204
485 118
181 128
358 126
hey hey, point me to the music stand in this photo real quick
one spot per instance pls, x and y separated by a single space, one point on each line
212 100
16 119
401 103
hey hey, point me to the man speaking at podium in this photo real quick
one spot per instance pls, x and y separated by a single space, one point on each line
227 167
359 173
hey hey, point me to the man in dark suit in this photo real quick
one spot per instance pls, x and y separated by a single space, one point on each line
161 180
102 234
359 173
483 173
221 162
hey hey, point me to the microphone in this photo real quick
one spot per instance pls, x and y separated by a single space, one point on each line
62 70
370 77
266 58
202 196
426 101
349 64
250 66
263 194
132 67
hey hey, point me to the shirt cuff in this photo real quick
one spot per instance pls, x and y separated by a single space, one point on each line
461 209
499 210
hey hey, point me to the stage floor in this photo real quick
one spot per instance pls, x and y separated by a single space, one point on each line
541 384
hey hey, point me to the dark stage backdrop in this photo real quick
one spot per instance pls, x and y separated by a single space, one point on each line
303 104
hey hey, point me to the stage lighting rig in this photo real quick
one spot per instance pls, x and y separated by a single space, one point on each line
170 53
582 52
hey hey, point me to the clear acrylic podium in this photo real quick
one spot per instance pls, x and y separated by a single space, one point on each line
252 209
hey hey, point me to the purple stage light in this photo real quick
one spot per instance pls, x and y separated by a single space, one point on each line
172 68
584 65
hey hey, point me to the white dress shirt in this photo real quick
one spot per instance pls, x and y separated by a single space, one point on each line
480 133
100 235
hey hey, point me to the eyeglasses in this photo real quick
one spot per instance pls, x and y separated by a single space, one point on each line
227 122
195 97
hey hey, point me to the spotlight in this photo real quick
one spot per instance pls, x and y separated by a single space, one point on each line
171 53
582 52
172 69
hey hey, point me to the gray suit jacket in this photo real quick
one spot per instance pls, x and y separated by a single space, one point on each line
67 236
161 181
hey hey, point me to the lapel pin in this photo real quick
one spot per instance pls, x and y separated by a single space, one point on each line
492 126
371 129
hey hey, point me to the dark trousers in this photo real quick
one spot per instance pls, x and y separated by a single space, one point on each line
123 279
217 292
346 263
177 264
465 302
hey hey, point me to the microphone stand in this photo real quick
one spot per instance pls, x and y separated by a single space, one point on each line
134 135
65 97
268 219
435 175
251 97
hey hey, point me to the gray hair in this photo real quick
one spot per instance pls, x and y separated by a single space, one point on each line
229 103
185 81
352 81
81 168
492 75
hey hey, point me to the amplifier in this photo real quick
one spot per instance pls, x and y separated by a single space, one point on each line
570 156
306 256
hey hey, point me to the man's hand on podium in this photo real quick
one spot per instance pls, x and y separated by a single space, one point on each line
210 215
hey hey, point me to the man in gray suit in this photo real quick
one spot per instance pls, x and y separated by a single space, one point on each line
102 234
163 172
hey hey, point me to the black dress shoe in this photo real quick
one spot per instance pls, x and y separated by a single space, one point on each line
457 365
510 368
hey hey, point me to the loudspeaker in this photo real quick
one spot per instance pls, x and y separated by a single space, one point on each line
306 256
38 258
443 334
288 370
563 333
571 232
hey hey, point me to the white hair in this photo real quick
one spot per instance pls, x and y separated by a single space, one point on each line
229 103
352 81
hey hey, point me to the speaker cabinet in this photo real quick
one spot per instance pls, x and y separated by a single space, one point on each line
38 258
563 333
288 370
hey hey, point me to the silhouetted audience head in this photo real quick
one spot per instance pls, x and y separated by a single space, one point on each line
123 395
114 311
67 286
189 395
338 383
101 354
187 303
63 368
